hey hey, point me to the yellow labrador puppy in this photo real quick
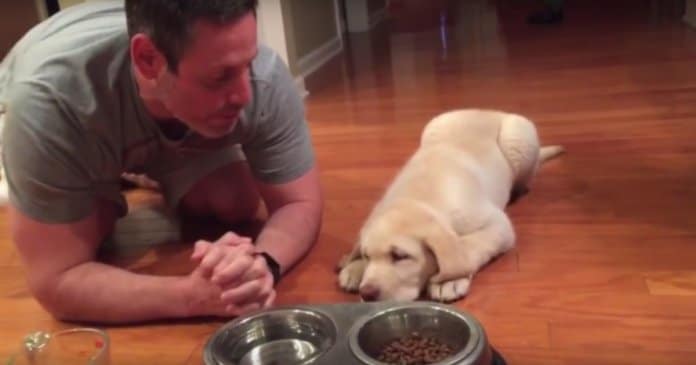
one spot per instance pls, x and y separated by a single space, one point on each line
442 218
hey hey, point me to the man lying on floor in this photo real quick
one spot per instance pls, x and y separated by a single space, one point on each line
180 91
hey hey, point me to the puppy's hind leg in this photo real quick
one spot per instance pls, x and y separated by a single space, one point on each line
519 143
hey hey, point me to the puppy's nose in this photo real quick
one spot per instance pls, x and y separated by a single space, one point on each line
369 293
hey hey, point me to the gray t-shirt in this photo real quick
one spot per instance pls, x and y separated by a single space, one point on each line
75 121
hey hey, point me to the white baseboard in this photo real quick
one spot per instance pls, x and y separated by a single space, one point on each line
317 58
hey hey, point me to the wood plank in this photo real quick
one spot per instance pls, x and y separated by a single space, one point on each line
564 280
159 344
585 357
522 333
624 335
531 356
575 304
671 283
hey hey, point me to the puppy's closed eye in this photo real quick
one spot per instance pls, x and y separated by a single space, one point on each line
397 255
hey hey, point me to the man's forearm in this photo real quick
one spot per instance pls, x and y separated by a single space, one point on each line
97 292
290 232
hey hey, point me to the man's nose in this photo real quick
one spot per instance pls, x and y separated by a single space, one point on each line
240 93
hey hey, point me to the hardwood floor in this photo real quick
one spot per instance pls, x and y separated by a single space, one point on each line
605 266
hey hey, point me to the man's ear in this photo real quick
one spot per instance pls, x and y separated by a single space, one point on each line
449 254
148 62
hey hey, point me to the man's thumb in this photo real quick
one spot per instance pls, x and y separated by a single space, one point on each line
200 249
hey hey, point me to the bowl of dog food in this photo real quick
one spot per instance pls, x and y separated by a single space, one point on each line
420 334
274 337
374 333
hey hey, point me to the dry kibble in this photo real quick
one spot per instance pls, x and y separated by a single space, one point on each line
414 350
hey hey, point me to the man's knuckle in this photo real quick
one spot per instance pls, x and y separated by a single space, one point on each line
266 291
257 271
230 236
246 247
257 286
247 260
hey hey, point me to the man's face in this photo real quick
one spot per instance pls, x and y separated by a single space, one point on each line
213 81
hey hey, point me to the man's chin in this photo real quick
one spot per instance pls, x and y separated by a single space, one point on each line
218 127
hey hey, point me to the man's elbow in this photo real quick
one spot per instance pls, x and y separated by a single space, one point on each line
48 294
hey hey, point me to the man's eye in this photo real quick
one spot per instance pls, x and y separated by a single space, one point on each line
219 80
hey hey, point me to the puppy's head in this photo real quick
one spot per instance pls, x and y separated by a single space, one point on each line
398 267
404 248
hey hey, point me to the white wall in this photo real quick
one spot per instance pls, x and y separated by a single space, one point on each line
272 32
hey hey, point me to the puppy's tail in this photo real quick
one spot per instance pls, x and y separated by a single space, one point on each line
550 152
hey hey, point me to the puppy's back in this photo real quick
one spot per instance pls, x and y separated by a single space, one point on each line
469 128
473 135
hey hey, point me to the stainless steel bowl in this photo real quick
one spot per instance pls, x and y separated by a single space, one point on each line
460 331
287 336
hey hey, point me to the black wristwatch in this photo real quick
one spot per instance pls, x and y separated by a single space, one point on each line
273 266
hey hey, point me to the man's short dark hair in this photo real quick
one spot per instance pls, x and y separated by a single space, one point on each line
169 22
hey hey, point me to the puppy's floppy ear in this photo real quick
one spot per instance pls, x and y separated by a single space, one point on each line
448 251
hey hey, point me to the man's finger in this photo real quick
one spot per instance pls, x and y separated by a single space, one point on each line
271 299
211 259
266 289
231 238
258 270
242 293
200 249
244 247
266 295
231 269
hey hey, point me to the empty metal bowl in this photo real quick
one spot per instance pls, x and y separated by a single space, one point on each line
460 331
287 336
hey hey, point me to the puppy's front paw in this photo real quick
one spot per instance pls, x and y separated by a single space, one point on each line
351 275
449 290
344 261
